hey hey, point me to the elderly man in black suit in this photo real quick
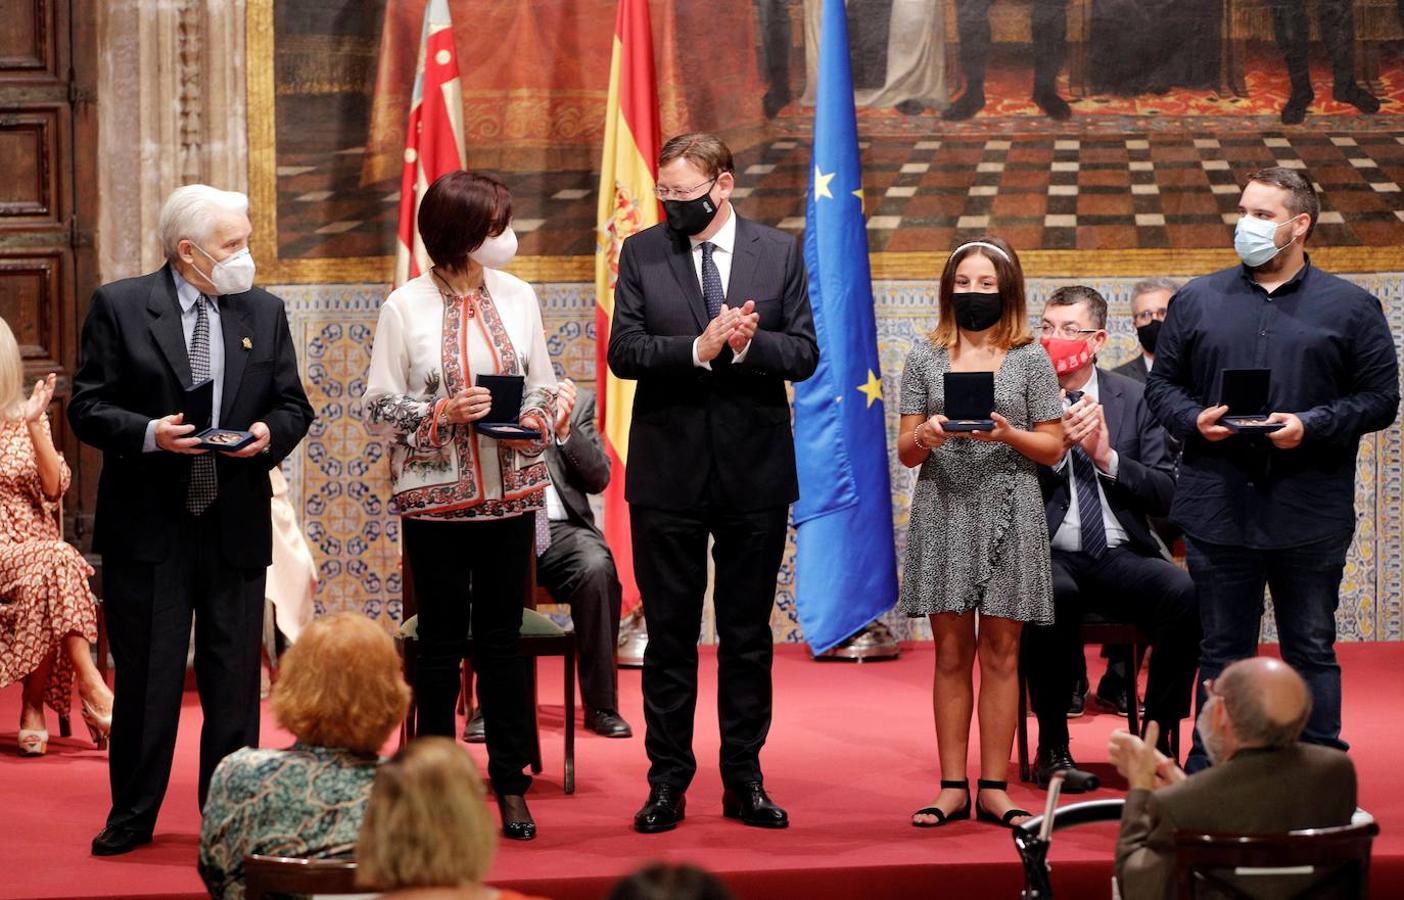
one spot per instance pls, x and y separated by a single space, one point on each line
1115 473
184 532
711 315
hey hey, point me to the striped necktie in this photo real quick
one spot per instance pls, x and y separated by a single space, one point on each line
1089 499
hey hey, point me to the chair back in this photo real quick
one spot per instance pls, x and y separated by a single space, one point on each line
1322 862
267 876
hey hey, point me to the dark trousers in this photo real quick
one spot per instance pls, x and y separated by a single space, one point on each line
1050 41
1293 32
578 569
476 571
1150 591
149 608
670 562
1305 583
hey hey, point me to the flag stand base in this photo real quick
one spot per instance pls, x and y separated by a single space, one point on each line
874 642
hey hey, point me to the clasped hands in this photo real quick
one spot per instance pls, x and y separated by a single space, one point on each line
1140 763
1288 437
731 327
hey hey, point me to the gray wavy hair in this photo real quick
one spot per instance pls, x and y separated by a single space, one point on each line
189 214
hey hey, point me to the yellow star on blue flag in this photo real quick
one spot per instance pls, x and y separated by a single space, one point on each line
872 388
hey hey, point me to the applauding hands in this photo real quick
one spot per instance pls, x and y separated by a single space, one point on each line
731 327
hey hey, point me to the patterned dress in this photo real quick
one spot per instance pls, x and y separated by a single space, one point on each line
978 536
44 593
303 802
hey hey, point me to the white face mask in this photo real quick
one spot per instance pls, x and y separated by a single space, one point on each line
495 252
231 275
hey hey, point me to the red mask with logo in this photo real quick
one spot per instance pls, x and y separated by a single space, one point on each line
1067 355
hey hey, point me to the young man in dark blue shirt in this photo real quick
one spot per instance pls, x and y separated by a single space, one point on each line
1277 509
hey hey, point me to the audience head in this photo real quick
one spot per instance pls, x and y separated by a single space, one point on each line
340 685
664 881
982 287
205 237
1278 212
465 215
1150 301
1257 702
12 394
696 176
1073 329
427 823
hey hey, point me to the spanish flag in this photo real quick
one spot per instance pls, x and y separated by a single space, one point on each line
628 175
434 138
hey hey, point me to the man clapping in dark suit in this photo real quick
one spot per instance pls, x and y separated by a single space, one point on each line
184 532
1115 473
712 317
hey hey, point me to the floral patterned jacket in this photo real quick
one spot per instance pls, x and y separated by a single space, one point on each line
429 345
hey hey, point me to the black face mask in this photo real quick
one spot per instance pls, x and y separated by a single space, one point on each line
1148 333
976 311
691 217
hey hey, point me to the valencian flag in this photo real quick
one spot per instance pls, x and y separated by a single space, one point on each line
434 138
846 565
628 175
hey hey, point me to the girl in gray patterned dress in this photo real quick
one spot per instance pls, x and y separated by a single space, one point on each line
978 539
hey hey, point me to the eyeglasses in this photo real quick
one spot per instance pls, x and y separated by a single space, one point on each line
1144 316
1067 330
663 193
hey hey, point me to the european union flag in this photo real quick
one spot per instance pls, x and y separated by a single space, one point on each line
846 566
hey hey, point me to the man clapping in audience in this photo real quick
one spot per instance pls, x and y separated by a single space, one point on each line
1263 780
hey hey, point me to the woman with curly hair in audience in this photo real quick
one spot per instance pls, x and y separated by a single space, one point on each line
340 693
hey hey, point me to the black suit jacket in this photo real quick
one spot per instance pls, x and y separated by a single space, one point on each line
133 367
1145 480
580 467
1134 368
735 419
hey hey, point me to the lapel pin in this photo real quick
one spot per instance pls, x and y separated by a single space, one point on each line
248 344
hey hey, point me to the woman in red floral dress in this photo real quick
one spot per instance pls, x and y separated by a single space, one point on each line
48 618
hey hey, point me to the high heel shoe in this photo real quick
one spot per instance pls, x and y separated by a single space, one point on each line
516 829
33 741
943 817
985 815
99 726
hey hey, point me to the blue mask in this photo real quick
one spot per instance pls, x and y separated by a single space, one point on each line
1255 240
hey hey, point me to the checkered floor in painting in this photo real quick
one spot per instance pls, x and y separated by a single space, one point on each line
1073 192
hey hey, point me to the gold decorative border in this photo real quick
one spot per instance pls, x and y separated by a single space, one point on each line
263 194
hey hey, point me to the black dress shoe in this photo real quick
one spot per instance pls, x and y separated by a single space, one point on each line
474 732
970 102
607 723
1295 110
749 803
115 840
662 812
517 823
1357 97
1053 106
1075 780
1078 704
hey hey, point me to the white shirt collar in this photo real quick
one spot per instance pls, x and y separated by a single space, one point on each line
1090 388
188 293
725 239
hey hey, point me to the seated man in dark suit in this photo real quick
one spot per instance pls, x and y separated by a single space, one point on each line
575 565
1150 301
577 568
1116 472
1263 780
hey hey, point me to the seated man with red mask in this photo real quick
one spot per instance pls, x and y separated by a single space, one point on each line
1115 474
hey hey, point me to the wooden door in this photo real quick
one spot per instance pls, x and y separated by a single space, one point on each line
48 204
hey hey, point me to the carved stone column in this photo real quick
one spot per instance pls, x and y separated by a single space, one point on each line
171 111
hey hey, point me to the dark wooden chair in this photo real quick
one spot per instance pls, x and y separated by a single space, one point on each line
1324 863
1095 629
269 876
539 637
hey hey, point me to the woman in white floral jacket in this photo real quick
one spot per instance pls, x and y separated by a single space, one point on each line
467 500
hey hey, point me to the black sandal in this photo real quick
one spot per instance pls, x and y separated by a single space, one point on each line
942 817
1006 820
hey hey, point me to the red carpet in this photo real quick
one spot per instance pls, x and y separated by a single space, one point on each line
851 754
